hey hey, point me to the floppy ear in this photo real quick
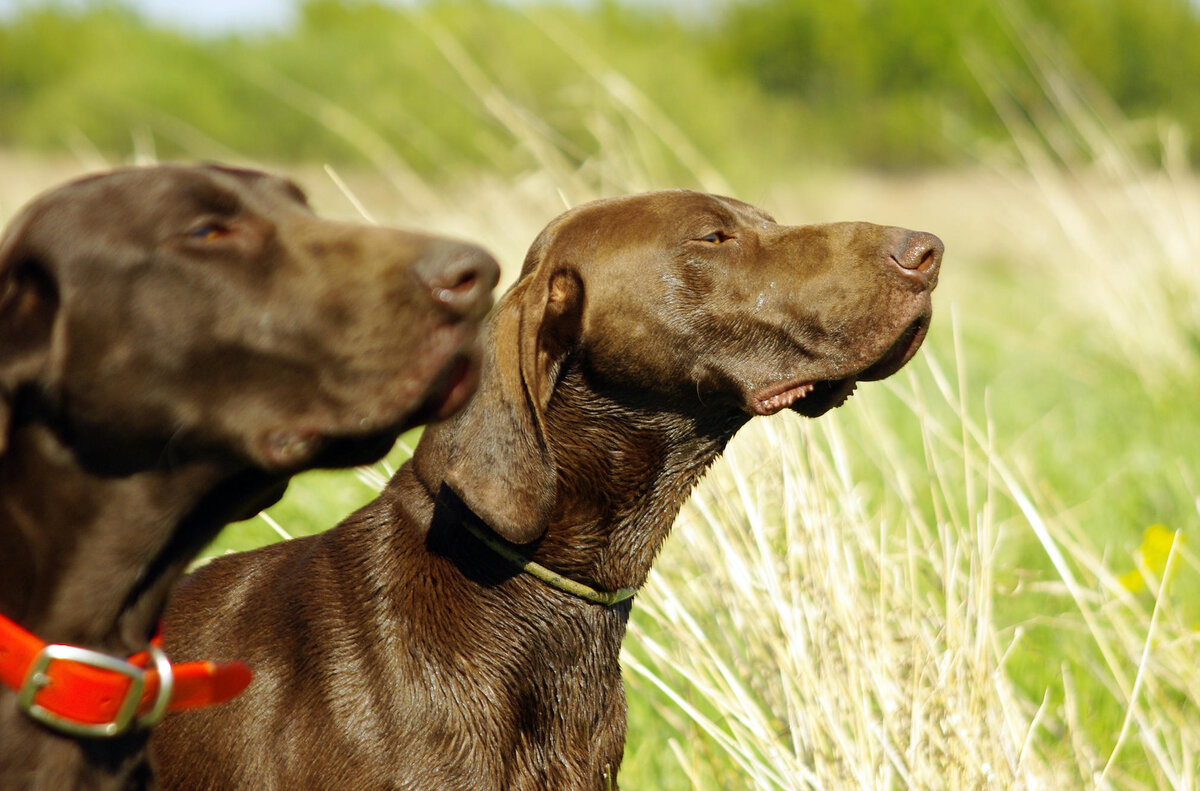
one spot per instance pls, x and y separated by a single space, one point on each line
501 466
28 304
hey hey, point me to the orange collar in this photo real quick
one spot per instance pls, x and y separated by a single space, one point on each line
81 692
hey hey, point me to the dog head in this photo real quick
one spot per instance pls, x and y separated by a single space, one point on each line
682 299
173 310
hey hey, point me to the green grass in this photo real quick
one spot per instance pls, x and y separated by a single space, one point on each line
859 630
843 596
934 586
448 87
953 581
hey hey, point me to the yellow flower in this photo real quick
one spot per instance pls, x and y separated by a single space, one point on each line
1132 581
1157 542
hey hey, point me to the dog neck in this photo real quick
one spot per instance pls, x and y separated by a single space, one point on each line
88 558
618 491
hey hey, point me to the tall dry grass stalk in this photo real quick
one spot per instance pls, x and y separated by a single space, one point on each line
825 634
1123 201
828 614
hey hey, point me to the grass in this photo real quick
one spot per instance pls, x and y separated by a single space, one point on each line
982 573
930 587
837 611
947 583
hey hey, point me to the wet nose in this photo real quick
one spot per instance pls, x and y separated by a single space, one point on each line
459 277
919 252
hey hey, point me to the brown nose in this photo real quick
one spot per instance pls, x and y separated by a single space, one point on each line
919 252
460 277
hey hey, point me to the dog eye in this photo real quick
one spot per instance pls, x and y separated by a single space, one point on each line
208 232
716 237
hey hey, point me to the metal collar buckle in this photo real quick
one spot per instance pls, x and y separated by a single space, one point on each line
37 678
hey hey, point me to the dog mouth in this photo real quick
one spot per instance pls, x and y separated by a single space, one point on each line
808 398
443 385
814 398
451 359
452 387
899 353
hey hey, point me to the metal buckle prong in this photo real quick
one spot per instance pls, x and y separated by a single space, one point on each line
37 678
166 685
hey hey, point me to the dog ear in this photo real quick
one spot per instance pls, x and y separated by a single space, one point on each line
501 466
545 343
28 305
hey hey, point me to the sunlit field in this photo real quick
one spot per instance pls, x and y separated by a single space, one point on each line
981 573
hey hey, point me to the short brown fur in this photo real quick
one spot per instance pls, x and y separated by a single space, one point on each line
396 651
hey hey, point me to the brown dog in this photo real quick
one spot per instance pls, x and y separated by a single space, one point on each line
175 342
408 647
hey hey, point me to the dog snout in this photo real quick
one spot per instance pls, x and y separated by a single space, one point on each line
918 253
459 277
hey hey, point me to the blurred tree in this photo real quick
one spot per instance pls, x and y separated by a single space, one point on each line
450 85
885 71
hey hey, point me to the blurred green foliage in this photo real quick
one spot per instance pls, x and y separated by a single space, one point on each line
887 76
455 85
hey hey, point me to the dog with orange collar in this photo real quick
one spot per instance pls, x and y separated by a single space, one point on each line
175 343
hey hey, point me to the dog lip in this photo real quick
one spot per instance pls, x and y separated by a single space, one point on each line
899 353
826 395
455 386
813 397
452 382
779 396
443 381
448 387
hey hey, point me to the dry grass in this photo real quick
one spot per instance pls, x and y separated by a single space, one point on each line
1117 206
827 614
840 608
824 635
903 594
938 586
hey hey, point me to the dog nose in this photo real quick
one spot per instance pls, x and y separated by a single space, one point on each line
919 252
459 277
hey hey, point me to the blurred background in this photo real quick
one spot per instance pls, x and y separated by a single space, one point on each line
758 90
981 573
